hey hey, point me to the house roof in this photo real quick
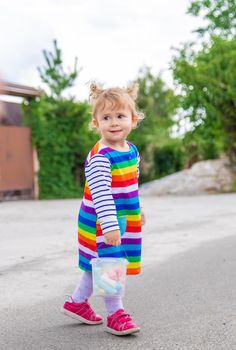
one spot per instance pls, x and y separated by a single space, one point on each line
13 89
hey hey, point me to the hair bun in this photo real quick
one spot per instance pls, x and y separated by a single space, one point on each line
132 90
95 91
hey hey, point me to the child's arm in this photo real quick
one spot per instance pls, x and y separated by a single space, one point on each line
143 218
98 175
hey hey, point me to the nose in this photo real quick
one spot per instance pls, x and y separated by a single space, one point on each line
114 122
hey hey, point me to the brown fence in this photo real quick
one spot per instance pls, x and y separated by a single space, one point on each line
16 162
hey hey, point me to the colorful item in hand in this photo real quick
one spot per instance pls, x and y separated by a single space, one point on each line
109 276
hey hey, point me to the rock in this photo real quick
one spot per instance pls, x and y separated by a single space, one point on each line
209 176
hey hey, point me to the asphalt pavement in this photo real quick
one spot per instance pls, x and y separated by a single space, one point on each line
185 298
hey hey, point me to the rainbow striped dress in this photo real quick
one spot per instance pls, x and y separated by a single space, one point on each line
110 195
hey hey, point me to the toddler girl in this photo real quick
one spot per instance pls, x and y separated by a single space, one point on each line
111 192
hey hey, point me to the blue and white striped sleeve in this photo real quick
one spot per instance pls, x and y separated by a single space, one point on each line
98 175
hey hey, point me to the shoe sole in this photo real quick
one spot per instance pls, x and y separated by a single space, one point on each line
128 331
79 318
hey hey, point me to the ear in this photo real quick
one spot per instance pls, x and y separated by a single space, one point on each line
134 121
94 122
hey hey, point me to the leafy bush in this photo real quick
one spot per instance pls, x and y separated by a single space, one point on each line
59 131
168 160
60 134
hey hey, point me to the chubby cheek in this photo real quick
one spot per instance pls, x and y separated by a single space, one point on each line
128 126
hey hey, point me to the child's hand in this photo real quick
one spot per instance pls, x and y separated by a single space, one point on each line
112 237
143 218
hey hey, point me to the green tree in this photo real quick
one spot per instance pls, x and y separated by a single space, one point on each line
53 74
207 79
59 131
158 103
220 16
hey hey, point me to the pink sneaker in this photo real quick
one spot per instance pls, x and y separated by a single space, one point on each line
81 312
121 323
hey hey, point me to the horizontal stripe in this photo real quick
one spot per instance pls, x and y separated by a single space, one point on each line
109 205
88 196
88 229
106 211
88 203
120 171
124 177
88 209
111 254
116 250
85 265
98 162
135 259
102 195
98 190
98 158
132 237
117 158
127 206
130 212
103 200
124 164
133 271
87 243
96 178
131 241
85 212
122 184
133 265
126 189
86 222
98 169
86 234
102 173
87 251
95 187
133 217
125 195
133 224
135 229
124 247
110 228
86 255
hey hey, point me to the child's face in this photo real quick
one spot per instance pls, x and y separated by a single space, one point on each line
114 124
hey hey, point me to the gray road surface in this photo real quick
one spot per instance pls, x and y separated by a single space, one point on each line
185 298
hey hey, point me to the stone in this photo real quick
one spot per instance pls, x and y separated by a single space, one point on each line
209 176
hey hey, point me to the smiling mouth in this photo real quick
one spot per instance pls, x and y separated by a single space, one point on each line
114 131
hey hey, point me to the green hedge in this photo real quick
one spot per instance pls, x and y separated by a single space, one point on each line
62 139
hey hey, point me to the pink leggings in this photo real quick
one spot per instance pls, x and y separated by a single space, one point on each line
84 291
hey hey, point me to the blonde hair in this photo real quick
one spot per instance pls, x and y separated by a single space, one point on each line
117 97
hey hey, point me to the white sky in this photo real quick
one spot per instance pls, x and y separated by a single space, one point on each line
112 39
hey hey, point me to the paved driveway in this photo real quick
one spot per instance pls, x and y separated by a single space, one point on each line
184 299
